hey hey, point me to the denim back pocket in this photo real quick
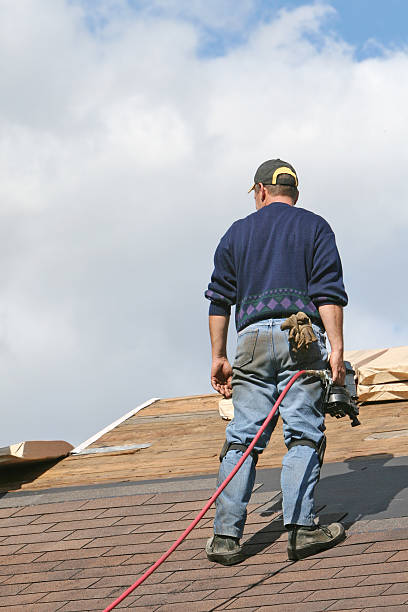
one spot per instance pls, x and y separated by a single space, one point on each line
316 352
245 348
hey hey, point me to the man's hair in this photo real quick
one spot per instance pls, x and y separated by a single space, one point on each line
280 190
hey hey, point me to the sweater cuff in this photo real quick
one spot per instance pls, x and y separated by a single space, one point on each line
327 301
219 310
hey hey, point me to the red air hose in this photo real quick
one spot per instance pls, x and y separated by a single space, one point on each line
210 501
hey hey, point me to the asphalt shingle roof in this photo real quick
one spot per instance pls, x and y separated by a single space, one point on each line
76 545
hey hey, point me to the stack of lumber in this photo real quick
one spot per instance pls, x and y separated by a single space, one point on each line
382 374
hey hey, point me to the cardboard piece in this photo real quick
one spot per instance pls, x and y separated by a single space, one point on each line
34 450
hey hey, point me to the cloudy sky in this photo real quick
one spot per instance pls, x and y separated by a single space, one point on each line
129 135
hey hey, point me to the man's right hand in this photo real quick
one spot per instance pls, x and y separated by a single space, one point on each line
337 367
221 376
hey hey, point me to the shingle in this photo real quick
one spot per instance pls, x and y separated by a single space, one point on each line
375 568
6 512
126 580
401 587
117 502
81 555
39 607
71 553
272 599
14 521
40 577
395 608
41 509
74 515
368 602
93 562
84 605
98 532
135 510
388 578
18 559
322 585
50 545
18 530
11 589
7 550
26 568
347 592
76 594
163 598
87 523
18 600
60 585
378 536
194 606
204 573
130 539
352 560
146 519
388 545
315 606
402 555
31 538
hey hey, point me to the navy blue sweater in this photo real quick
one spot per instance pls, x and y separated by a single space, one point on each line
277 261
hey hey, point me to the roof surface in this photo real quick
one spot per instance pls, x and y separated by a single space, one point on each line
67 543
185 437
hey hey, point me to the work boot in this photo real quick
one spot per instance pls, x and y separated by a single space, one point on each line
224 549
305 541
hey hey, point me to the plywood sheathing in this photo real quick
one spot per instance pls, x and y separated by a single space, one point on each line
186 435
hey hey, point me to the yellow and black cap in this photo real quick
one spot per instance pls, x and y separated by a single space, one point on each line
275 172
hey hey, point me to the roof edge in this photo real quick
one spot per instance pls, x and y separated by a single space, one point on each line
105 430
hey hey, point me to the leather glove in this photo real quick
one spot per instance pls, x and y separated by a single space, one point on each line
301 333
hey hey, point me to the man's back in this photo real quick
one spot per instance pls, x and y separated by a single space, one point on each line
275 262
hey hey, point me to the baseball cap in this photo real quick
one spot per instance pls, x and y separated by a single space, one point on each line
271 171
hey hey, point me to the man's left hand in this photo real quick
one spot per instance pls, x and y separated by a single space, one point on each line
221 376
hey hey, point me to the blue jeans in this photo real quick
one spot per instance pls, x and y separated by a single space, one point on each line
263 366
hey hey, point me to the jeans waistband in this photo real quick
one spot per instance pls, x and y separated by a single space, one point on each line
274 322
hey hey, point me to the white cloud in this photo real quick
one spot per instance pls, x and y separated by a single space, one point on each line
217 14
123 159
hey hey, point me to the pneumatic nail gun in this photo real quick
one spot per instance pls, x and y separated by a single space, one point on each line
339 401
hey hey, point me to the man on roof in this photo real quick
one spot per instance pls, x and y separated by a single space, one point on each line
277 262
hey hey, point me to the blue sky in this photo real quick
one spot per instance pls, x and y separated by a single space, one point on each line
367 25
120 172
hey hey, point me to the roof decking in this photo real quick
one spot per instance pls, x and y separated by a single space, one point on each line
186 435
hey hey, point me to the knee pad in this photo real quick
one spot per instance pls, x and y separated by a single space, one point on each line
319 448
235 446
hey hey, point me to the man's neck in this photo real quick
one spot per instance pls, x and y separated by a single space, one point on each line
283 199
